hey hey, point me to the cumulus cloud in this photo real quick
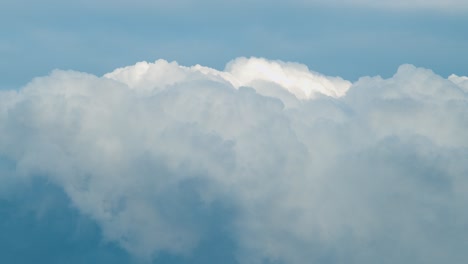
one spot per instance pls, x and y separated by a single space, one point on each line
311 168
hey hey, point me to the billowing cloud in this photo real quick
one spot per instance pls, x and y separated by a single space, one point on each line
292 165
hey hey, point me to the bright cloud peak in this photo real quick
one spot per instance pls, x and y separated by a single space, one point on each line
310 167
294 78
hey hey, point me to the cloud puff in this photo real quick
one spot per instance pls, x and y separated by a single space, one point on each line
310 168
257 73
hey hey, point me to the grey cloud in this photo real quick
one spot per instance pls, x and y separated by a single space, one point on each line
155 152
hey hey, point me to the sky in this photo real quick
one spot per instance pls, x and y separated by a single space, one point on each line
345 38
246 132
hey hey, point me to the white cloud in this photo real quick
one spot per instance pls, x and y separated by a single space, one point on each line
260 74
345 172
461 81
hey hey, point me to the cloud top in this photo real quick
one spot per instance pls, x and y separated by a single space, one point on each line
294 78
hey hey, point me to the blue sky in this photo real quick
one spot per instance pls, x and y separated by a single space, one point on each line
345 39
246 132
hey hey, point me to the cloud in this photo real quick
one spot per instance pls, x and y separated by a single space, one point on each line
291 165
461 81
258 73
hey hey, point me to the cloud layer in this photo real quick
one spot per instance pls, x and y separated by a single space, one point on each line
291 165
